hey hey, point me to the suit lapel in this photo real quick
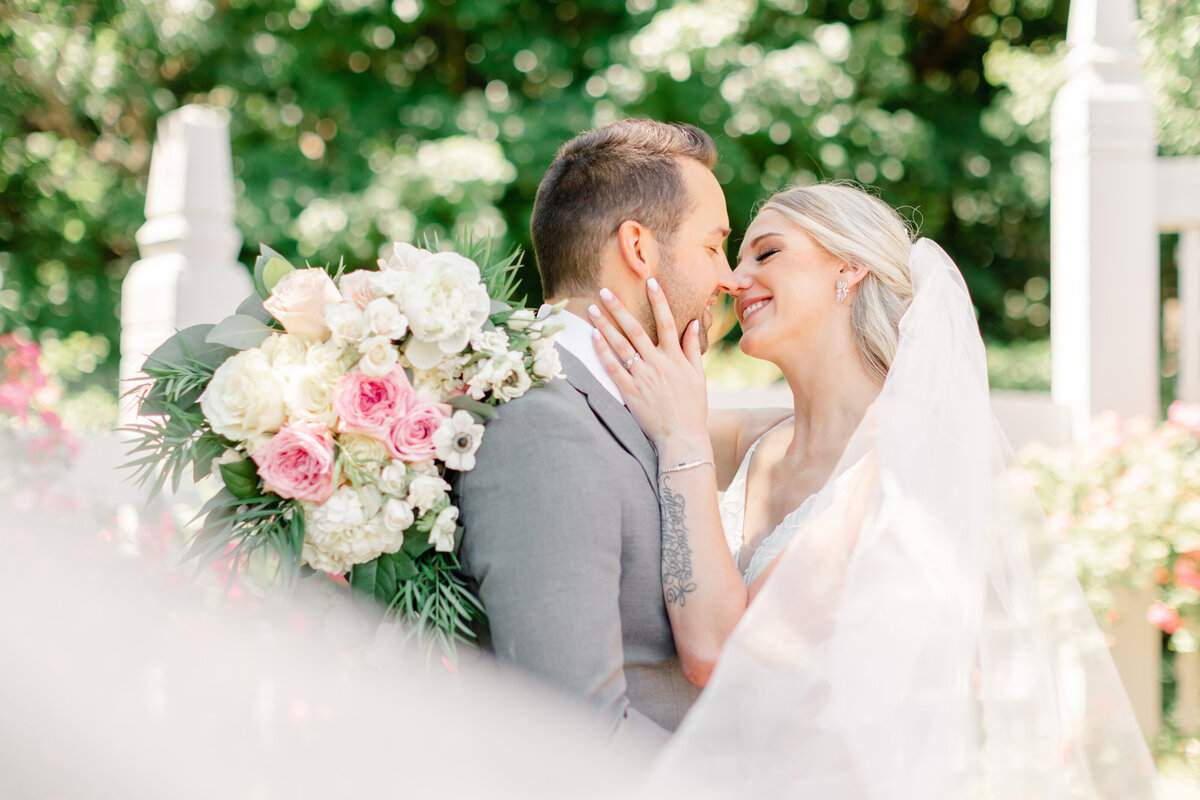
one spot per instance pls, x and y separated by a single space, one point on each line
612 414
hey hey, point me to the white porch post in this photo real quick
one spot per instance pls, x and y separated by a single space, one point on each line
1104 248
189 271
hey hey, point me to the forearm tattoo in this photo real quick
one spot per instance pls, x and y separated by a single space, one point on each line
676 549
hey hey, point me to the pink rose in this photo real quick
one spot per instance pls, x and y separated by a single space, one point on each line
1186 415
298 462
298 301
358 288
1163 617
411 436
370 404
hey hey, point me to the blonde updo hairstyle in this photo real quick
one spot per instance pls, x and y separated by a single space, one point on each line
862 230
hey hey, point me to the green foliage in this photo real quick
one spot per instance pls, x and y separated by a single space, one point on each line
357 122
1170 45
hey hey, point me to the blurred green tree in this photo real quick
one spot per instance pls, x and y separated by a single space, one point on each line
356 122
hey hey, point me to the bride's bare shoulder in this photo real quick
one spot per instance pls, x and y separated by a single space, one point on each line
734 430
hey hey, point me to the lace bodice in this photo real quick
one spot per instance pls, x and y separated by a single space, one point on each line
733 515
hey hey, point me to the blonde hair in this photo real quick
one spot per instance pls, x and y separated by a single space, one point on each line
862 230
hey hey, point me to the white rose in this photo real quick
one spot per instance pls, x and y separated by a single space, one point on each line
379 355
493 341
391 479
405 257
521 319
332 356
547 364
309 395
244 399
445 303
398 515
457 440
426 491
285 351
363 449
347 324
384 318
441 536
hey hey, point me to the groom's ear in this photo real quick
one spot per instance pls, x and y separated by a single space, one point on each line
638 249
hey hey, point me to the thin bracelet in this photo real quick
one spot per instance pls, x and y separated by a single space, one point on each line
699 462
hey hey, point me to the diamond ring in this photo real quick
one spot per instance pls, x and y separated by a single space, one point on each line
629 362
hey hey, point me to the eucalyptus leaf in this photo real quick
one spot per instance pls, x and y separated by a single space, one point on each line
240 332
269 268
252 306
480 410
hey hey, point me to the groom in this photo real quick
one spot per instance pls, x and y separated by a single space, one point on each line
561 512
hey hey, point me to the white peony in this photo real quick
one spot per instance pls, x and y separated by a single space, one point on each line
340 533
245 398
390 282
426 491
385 319
493 341
379 355
398 515
332 356
441 536
445 303
309 395
457 440
347 324
405 257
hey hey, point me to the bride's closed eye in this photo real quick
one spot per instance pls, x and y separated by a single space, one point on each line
764 255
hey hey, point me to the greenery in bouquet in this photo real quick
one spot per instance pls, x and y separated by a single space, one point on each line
1128 500
332 407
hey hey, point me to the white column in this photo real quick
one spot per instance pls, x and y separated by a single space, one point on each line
189 271
1104 248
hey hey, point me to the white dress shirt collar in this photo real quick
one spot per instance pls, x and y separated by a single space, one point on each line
576 339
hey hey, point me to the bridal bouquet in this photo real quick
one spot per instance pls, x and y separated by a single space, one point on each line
333 404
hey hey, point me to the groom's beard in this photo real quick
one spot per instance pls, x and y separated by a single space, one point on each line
682 307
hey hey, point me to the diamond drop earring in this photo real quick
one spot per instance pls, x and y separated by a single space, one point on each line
843 289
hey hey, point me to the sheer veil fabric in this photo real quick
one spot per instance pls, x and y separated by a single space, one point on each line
923 637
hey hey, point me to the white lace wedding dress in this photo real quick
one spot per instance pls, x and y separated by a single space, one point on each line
733 514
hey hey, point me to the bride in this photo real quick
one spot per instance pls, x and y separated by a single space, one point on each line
894 620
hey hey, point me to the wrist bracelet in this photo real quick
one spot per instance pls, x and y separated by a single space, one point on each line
699 462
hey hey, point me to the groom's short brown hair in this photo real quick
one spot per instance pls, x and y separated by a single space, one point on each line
598 180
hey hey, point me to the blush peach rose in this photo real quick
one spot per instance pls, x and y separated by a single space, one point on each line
298 301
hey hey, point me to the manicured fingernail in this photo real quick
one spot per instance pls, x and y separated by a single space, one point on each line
606 295
596 334
594 311
653 284
696 325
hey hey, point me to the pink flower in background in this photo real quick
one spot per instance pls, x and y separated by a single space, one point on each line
1136 478
358 288
1186 574
1186 415
411 436
1163 617
370 404
298 462
1061 521
298 301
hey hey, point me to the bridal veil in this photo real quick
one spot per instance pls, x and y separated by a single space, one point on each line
925 637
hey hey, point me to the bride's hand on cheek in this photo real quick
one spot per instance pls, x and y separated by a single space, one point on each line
662 385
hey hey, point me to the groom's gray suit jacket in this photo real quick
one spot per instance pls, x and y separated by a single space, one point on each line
561 536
